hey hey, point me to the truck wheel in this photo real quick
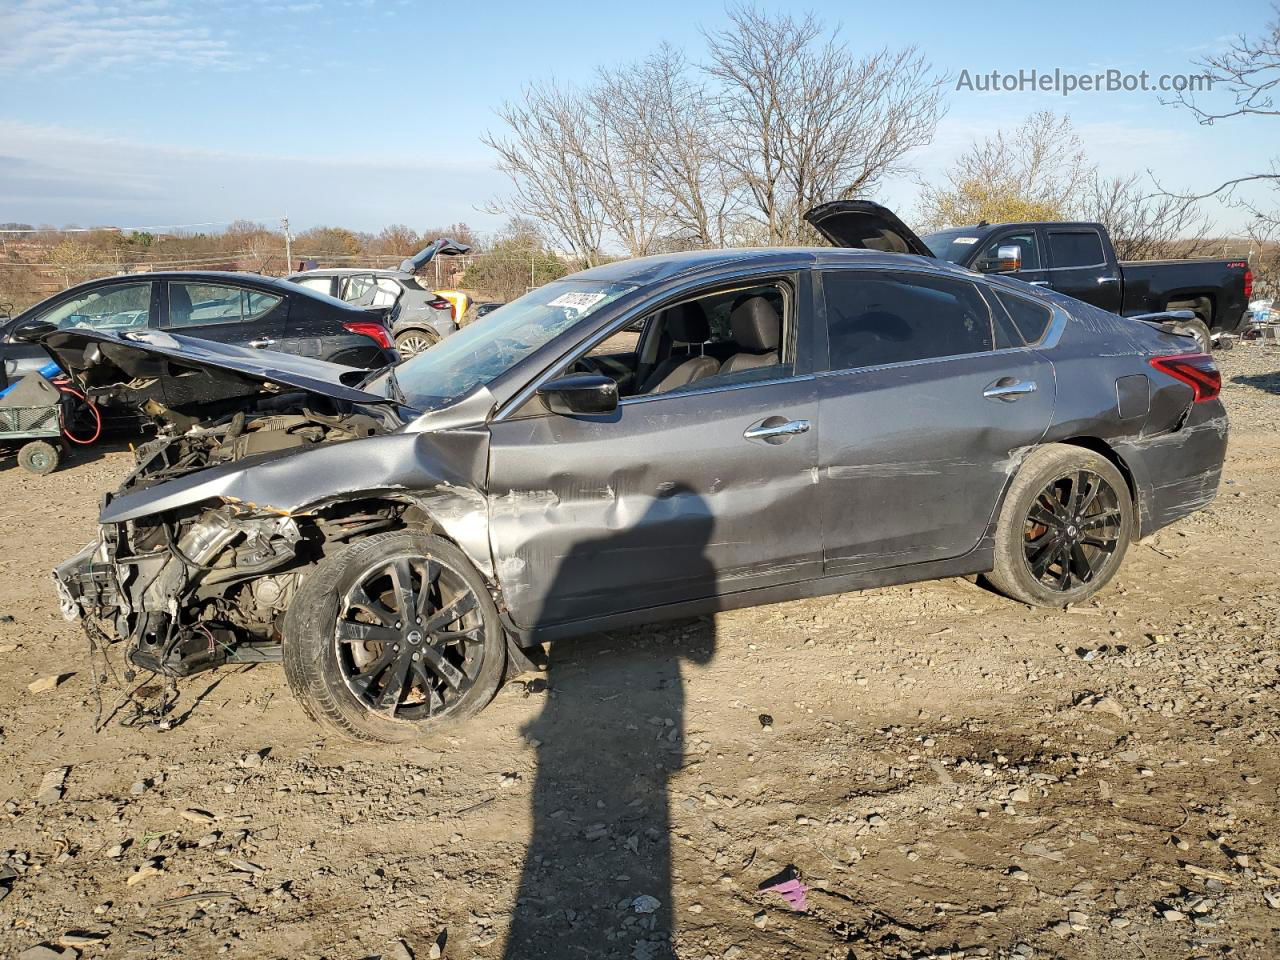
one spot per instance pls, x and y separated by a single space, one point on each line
1064 527
39 457
392 637
413 342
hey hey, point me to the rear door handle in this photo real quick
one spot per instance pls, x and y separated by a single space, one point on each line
1038 283
775 429
1008 389
261 342
1102 280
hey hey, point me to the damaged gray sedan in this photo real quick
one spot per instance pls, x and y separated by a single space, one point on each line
652 438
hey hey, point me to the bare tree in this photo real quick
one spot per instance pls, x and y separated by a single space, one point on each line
1034 173
397 240
1249 71
1145 226
800 121
546 158
663 116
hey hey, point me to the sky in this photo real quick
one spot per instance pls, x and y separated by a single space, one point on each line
363 113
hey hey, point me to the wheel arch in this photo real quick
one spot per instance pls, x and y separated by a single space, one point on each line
457 514
1104 449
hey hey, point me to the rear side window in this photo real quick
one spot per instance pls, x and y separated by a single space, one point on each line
1030 319
880 318
1076 248
197 304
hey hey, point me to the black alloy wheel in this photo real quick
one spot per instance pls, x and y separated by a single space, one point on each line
1072 530
409 638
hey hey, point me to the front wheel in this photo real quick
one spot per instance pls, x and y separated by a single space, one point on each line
393 636
1064 527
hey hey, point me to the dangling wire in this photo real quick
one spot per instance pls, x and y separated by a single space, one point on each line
63 385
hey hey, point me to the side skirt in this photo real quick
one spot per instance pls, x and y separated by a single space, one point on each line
977 560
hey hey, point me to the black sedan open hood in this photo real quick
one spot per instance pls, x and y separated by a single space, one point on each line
865 225
424 256
96 359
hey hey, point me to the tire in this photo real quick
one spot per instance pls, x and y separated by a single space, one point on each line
341 659
410 343
1200 330
1049 476
39 457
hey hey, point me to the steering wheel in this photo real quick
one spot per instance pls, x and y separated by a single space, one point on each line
588 364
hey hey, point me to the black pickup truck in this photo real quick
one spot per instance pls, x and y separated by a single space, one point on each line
1077 259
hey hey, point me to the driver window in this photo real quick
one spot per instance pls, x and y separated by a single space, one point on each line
735 335
125 306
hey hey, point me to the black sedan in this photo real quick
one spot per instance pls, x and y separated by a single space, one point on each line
245 309
650 438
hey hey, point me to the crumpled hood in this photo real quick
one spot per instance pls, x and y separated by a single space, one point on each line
95 358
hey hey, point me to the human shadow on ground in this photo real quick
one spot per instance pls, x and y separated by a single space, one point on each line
597 877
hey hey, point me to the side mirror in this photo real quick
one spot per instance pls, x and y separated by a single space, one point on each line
1007 258
33 331
580 393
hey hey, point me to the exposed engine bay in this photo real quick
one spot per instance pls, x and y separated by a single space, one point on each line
193 588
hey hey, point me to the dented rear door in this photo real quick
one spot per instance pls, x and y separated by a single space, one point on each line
924 418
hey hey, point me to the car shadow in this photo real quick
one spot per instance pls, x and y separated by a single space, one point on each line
597 876
1270 382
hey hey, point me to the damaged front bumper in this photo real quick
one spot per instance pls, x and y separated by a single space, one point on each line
187 595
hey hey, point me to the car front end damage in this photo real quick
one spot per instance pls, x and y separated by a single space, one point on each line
203 546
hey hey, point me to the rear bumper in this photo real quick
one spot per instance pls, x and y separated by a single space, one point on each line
1178 472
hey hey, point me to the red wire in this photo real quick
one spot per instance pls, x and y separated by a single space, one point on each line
97 416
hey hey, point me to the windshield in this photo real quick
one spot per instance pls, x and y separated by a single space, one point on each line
954 245
483 350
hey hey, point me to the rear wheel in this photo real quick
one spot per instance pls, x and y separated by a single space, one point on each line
1064 527
40 457
1199 330
393 636
413 342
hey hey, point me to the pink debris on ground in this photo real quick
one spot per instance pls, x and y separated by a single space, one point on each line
793 892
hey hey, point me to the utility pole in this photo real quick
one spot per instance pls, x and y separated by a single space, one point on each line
288 245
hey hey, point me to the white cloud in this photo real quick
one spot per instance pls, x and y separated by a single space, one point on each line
52 175
52 35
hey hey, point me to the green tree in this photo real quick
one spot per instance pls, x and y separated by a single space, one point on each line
1036 172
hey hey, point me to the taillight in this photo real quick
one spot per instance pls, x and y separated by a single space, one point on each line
374 331
1248 284
1196 370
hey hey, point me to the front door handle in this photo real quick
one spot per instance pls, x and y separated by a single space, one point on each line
1038 283
775 430
261 342
1009 389
1102 280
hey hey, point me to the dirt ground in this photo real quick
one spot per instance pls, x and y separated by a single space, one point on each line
952 774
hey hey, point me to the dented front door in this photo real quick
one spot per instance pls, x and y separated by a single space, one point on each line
673 497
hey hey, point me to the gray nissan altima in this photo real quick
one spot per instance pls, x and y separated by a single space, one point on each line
650 438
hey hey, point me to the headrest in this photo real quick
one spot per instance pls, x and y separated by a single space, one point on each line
755 324
687 323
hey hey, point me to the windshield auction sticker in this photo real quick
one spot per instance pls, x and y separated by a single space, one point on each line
577 301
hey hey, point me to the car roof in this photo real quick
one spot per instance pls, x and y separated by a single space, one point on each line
349 271
642 270
212 276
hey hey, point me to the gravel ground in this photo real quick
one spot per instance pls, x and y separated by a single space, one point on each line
951 774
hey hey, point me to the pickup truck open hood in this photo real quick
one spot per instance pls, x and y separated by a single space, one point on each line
96 359
862 224
424 256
